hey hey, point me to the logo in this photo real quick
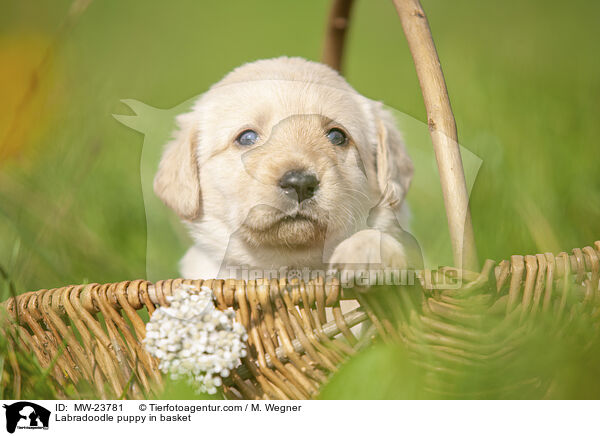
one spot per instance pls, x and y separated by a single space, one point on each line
26 415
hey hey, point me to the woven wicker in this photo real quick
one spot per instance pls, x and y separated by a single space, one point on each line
89 336
292 349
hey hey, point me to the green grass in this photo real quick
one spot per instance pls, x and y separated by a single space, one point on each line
523 77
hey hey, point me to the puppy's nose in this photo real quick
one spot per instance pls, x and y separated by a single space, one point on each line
303 183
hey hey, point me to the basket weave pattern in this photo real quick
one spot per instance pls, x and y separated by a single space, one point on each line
92 333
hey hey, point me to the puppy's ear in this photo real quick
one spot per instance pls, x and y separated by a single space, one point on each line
177 181
394 167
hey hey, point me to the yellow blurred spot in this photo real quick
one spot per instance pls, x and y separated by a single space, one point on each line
25 84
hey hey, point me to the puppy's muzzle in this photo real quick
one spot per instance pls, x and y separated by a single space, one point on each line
299 185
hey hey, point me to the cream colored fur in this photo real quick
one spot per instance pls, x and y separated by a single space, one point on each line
228 194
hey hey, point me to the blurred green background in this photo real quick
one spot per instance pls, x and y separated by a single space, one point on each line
523 78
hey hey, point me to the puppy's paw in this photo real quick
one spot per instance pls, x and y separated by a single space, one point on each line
363 258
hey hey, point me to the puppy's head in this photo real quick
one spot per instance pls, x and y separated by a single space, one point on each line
285 152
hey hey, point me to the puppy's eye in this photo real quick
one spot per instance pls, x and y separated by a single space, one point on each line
337 137
247 137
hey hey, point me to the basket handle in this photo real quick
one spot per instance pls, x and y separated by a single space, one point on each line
442 126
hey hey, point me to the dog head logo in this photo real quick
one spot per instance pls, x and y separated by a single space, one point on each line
26 415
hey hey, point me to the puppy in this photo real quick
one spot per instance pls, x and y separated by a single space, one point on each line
282 164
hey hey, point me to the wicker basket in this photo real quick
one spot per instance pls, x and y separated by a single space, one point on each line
292 349
89 336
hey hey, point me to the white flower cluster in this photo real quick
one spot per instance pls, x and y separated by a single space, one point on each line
191 338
